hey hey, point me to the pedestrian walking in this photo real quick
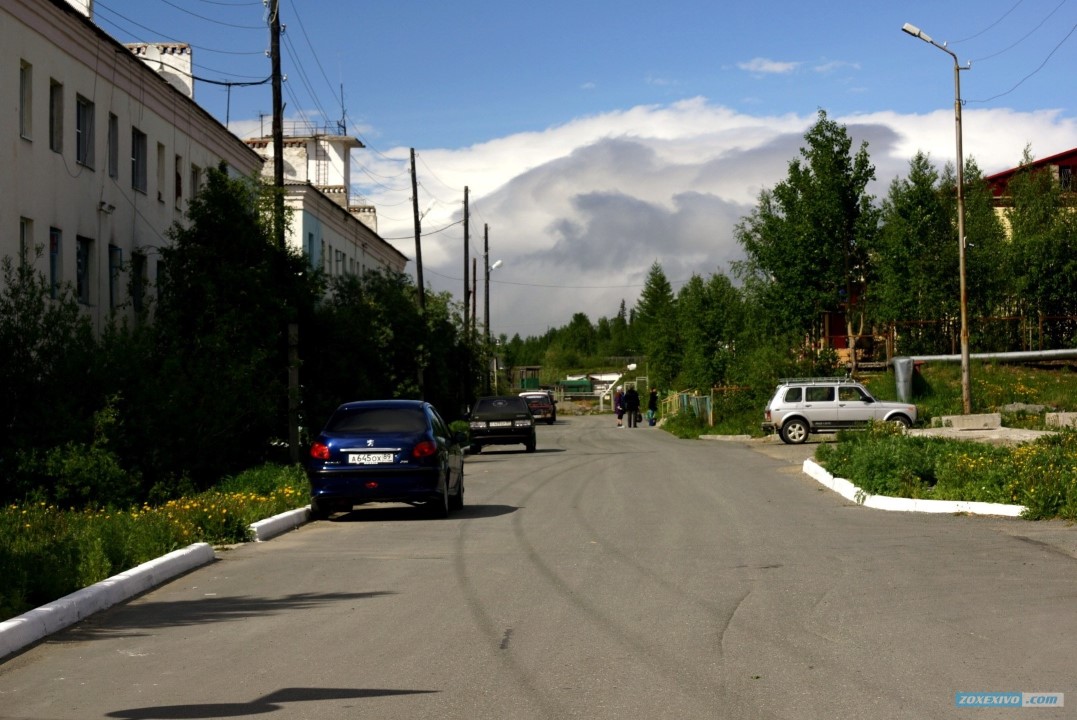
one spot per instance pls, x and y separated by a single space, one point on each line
619 405
652 407
631 402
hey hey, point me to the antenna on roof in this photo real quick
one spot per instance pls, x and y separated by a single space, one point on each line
342 124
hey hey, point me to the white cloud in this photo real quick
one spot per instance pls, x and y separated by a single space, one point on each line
768 67
580 211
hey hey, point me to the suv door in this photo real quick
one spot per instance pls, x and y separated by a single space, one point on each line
855 406
820 407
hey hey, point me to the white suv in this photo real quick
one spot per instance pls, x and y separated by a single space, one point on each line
802 406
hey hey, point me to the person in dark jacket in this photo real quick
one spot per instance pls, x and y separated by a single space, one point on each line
631 401
652 406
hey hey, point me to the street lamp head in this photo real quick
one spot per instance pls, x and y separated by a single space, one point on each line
631 366
917 32
496 265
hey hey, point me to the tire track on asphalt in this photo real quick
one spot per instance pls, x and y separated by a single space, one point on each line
671 667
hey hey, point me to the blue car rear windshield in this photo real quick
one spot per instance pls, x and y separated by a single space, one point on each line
372 420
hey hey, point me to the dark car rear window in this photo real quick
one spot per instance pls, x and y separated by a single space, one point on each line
506 404
360 420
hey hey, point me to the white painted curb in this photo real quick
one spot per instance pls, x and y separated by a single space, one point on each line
882 502
279 524
28 628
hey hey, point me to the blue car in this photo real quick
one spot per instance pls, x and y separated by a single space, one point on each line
386 451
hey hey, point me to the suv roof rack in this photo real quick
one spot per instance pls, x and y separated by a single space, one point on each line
809 380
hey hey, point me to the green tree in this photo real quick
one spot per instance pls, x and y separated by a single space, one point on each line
710 319
806 240
655 326
915 260
1044 238
225 302
48 372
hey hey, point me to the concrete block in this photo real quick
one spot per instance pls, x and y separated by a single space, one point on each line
1061 419
984 421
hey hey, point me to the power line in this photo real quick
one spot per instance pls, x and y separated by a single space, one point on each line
1023 37
1004 16
215 22
1026 77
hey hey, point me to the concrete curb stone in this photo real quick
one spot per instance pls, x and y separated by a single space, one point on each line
24 630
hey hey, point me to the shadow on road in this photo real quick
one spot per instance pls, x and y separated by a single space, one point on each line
265 704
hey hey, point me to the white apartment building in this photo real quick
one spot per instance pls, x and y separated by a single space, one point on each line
101 155
106 147
337 236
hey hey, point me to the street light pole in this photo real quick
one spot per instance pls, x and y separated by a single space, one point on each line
966 391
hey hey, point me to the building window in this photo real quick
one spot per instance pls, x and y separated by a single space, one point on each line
26 239
113 146
160 172
1065 177
196 180
56 116
179 180
83 259
115 266
84 135
138 280
138 159
26 99
56 269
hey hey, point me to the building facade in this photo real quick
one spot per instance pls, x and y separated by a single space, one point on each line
337 236
106 147
102 156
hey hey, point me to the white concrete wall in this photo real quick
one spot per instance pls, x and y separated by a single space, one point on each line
53 190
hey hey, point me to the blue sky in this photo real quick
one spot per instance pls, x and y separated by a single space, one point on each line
597 137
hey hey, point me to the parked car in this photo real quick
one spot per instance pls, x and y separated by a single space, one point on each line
542 404
501 420
801 406
386 451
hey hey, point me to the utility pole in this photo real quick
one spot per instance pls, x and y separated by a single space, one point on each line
278 123
486 303
418 236
486 289
467 283
292 330
419 269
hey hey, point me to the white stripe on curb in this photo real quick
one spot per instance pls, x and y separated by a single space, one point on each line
881 502
28 628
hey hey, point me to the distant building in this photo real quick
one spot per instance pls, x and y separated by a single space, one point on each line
101 155
1060 166
337 236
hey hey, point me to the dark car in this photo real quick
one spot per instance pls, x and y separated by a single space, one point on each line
501 420
386 451
542 405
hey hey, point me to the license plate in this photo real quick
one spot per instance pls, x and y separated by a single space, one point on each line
501 423
369 458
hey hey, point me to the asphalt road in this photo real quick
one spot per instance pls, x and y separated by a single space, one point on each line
611 574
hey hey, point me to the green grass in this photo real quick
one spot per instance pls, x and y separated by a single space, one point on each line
937 390
47 552
1040 475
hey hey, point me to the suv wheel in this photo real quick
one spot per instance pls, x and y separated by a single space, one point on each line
902 421
795 432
